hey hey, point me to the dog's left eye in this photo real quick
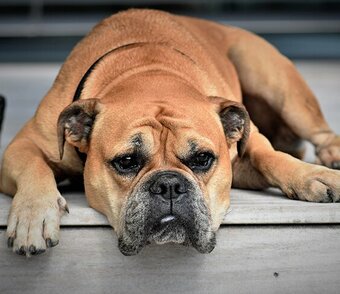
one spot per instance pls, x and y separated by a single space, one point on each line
130 163
201 161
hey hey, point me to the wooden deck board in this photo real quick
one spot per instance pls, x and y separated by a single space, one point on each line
245 260
247 207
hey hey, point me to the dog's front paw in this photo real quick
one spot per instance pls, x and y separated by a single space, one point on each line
328 154
33 223
315 184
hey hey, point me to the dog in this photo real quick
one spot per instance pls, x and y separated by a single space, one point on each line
162 115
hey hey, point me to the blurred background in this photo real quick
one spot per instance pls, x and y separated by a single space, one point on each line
46 30
37 35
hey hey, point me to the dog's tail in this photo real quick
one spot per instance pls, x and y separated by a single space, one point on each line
2 110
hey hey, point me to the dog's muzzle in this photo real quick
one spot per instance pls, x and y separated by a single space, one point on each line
167 207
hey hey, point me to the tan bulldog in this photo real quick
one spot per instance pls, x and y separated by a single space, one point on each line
148 107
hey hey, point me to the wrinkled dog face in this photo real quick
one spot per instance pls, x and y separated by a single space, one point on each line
167 201
160 173
166 207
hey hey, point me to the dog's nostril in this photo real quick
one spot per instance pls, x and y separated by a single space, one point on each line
162 189
180 188
158 188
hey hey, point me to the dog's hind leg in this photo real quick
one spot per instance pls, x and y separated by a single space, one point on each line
33 222
268 75
274 128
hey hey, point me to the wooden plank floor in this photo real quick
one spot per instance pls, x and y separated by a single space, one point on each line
248 259
247 207
297 255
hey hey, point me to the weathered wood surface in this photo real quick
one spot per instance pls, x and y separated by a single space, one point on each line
247 207
247 259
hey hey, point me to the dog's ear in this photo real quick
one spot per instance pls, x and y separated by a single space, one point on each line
75 124
235 121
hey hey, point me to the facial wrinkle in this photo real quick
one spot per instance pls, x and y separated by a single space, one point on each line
163 143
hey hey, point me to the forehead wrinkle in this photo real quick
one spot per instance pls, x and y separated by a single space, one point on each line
162 145
174 123
148 122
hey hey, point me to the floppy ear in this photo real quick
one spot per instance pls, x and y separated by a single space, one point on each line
235 121
75 124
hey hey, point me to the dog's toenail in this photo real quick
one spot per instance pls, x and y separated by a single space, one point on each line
10 242
32 250
66 209
330 195
21 251
55 242
39 251
50 243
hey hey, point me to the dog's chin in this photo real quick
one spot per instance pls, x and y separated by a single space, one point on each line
167 230
174 231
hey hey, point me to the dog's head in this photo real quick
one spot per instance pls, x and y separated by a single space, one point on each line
158 159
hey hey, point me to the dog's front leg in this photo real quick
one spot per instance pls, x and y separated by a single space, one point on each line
33 222
297 179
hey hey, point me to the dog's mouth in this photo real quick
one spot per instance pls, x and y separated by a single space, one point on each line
168 229
146 220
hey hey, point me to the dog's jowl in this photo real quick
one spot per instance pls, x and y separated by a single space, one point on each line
150 108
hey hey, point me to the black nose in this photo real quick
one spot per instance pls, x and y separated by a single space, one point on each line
169 185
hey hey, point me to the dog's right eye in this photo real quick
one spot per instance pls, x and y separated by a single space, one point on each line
128 164
200 162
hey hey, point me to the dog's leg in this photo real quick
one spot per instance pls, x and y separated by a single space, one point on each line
297 179
33 222
245 176
265 73
274 128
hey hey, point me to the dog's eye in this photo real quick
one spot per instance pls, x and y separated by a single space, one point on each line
201 162
130 163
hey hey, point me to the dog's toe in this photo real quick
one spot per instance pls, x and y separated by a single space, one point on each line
10 242
35 251
329 197
51 229
32 250
21 250
329 155
318 191
329 194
